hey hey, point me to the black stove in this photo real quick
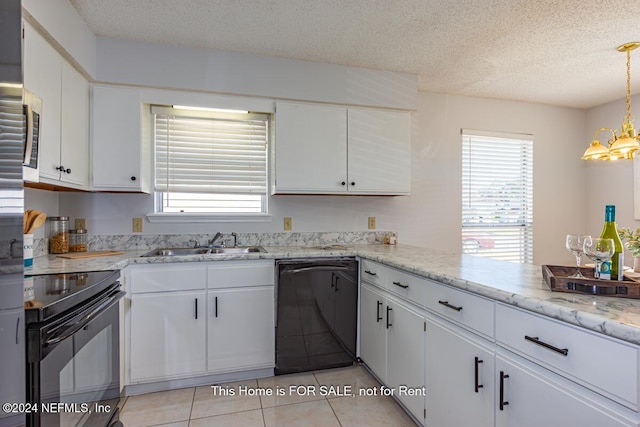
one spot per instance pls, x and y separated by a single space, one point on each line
72 349
48 295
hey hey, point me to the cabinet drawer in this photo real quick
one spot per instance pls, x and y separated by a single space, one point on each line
469 310
413 288
607 366
235 274
372 272
170 277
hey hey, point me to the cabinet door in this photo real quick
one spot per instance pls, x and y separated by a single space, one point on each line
74 122
116 140
533 397
379 151
42 77
373 333
405 356
310 149
459 374
168 335
241 329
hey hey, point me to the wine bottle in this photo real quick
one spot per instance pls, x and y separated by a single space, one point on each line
610 231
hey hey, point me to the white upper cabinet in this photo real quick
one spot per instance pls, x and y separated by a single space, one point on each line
120 159
323 149
310 149
64 132
379 151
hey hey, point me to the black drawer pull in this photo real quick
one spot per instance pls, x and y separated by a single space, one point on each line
370 273
378 317
446 304
477 364
502 401
196 308
388 310
216 307
535 340
400 284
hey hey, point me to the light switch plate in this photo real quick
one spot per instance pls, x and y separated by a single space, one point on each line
81 223
287 223
372 223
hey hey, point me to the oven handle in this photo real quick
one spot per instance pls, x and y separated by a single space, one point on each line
102 306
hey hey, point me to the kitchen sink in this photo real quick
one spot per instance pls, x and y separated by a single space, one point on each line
203 251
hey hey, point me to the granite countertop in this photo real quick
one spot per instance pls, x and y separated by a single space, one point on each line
520 285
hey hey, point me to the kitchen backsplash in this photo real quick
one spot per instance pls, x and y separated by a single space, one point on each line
143 241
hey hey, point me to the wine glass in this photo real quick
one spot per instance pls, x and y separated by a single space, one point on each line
599 250
575 245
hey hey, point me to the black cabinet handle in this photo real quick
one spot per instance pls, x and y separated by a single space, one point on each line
388 310
343 183
216 307
133 178
502 401
63 169
378 317
535 340
336 285
400 284
446 304
196 308
370 273
353 183
18 331
477 364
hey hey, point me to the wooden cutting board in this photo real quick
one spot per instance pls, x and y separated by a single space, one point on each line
94 254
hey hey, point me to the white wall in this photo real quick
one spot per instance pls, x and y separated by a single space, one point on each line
430 217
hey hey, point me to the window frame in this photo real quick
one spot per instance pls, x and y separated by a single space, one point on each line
521 250
158 216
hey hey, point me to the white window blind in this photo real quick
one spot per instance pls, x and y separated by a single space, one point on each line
209 162
497 195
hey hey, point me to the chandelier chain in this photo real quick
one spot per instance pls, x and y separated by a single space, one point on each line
628 117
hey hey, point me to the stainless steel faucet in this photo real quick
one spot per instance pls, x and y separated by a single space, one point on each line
216 237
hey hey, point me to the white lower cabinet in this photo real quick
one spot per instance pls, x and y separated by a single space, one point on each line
187 320
392 346
240 329
530 396
167 335
459 377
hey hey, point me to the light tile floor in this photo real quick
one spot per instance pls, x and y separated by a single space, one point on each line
233 405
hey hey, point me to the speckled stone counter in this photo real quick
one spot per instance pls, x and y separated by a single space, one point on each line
520 285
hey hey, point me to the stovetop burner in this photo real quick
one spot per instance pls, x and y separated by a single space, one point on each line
48 295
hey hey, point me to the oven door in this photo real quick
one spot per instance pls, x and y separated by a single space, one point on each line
74 378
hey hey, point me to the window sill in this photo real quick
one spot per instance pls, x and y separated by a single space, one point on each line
194 217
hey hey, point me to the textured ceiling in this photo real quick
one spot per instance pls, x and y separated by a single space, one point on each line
559 52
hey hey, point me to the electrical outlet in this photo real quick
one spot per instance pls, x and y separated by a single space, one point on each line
137 225
372 223
287 223
81 224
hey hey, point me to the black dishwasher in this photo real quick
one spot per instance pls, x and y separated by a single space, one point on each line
317 314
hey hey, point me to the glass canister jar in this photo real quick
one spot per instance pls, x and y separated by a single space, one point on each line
59 235
78 240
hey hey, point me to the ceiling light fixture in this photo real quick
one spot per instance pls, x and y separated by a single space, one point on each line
625 144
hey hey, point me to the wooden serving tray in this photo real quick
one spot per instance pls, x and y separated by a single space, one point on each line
94 254
557 278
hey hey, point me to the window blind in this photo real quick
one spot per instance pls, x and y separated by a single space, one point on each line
196 152
497 195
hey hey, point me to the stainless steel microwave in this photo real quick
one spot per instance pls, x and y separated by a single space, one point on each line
32 111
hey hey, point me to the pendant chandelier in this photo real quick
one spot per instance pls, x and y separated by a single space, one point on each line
624 143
